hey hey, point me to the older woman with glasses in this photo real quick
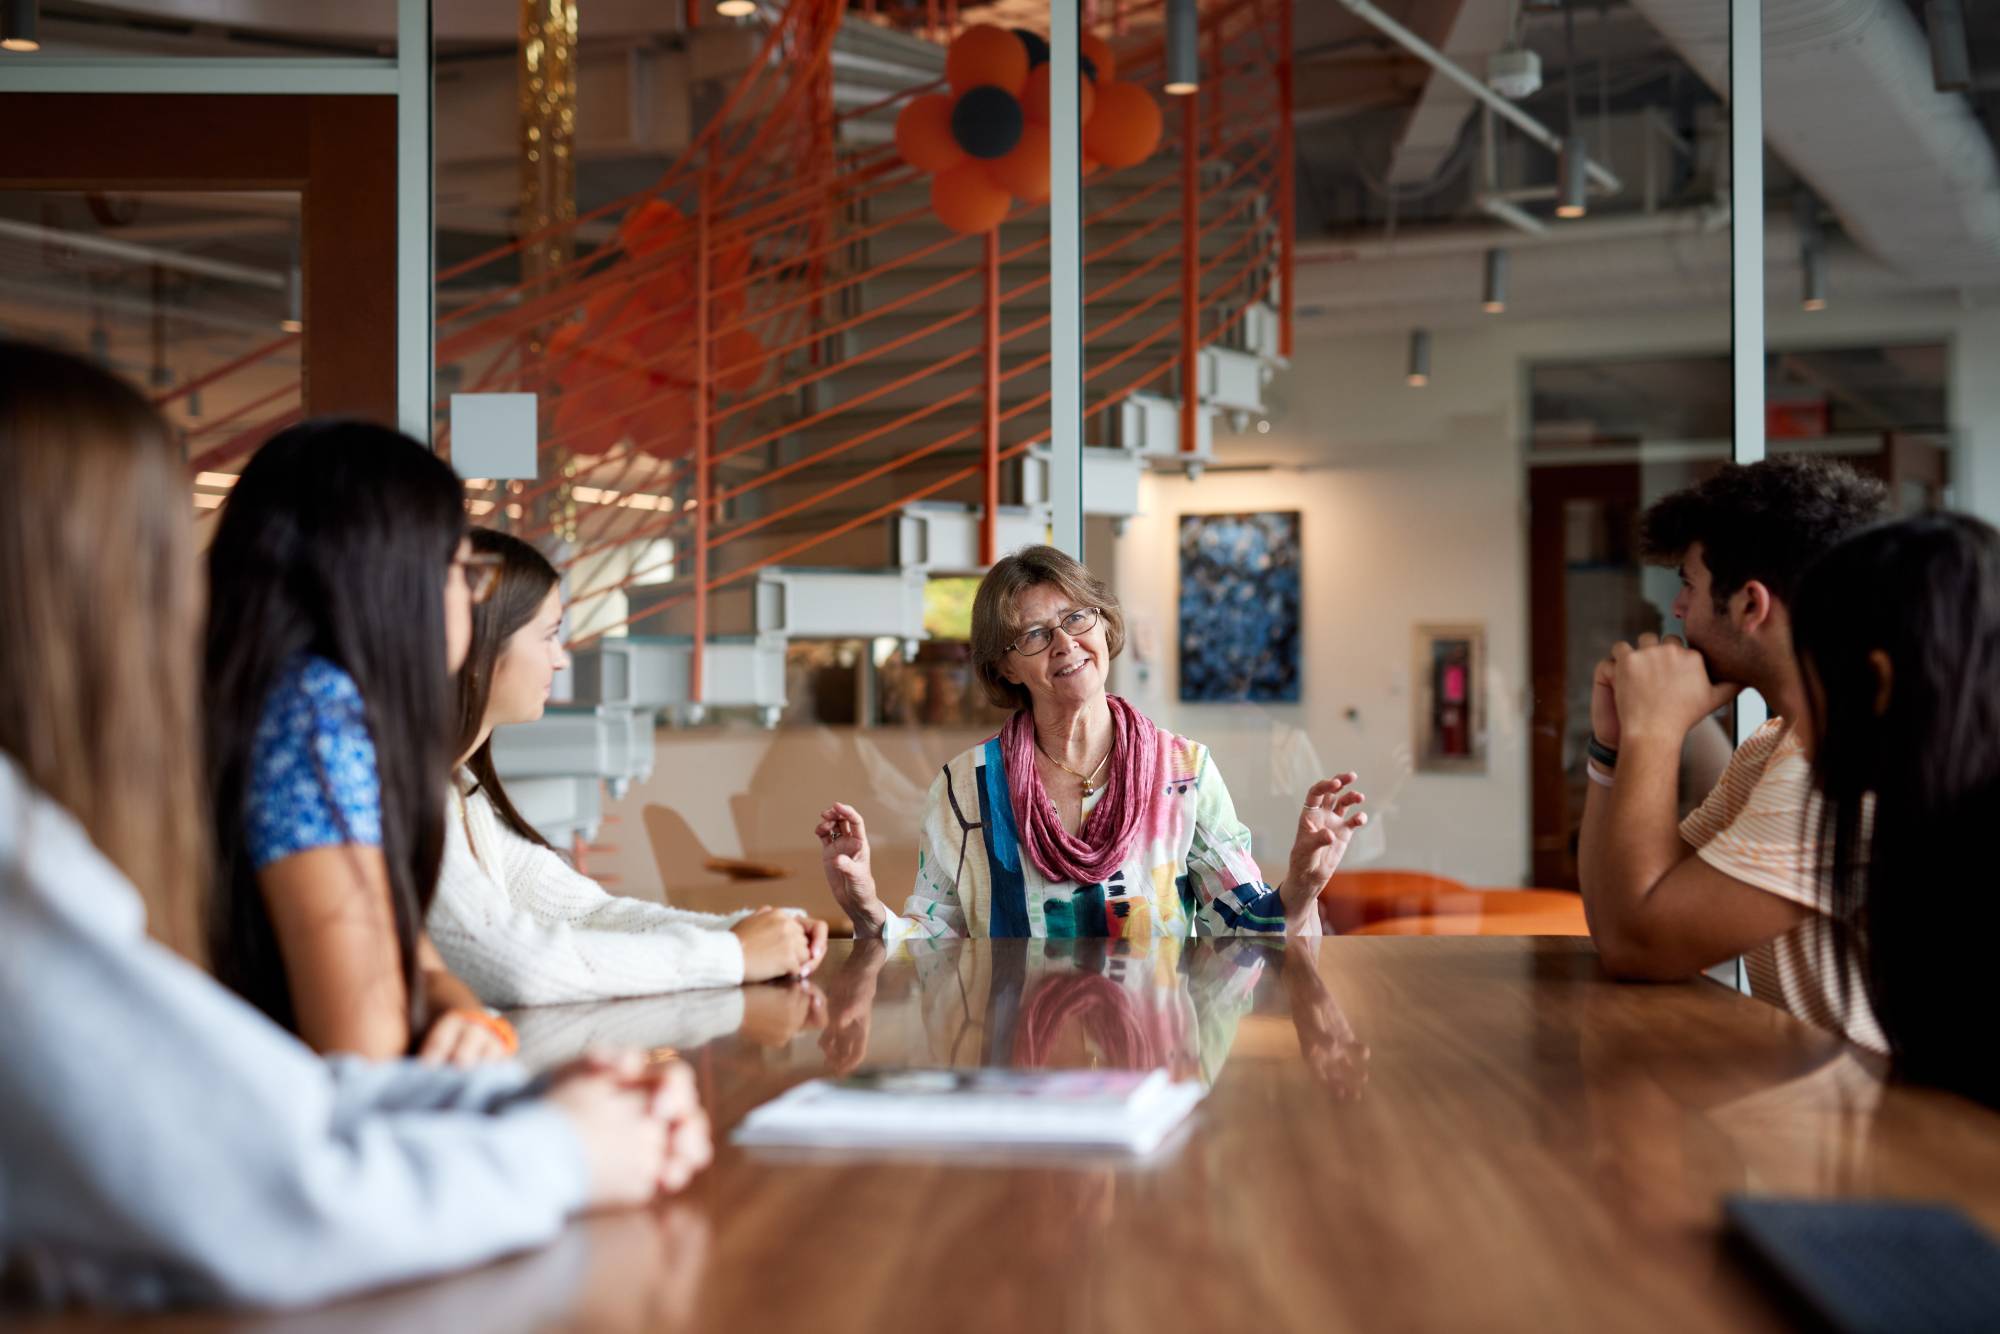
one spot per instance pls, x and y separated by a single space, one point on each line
1082 817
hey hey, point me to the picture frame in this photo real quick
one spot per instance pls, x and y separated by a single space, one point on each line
1448 698
1241 607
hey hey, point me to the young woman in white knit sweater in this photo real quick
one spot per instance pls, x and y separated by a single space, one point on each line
511 918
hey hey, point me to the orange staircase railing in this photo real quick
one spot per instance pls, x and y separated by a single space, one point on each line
676 362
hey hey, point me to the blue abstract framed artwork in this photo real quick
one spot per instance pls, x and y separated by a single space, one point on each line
1239 607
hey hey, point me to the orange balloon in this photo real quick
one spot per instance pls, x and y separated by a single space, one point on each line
725 306
588 364
966 199
612 314
665 429
1024 173
585 424
1035 96
669 289
923 133
651 227
583 359
730 266
739 361
560 353
985 54
1126 128
670 353
1098 52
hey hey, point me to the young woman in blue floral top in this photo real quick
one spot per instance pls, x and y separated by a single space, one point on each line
339 606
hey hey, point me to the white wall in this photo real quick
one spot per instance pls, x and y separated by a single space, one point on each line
1412 512
1413 503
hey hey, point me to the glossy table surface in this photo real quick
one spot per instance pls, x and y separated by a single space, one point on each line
1400 1134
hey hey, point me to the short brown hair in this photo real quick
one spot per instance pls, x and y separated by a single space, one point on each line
994 626
1765 521
99 612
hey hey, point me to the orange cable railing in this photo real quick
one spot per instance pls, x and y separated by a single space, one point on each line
1202 271
698 381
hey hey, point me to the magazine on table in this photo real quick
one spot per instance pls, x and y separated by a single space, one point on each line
1122 1111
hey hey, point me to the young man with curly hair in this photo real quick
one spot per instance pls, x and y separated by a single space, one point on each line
1740 876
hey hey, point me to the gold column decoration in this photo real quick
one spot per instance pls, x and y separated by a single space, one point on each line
548 131
547 102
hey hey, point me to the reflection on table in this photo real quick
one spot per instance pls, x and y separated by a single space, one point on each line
1411 1134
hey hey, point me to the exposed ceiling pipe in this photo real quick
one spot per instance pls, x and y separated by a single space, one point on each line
1450 69
139 254
1849 106
47 294
1431 133
1613 276
1512 214
1455 239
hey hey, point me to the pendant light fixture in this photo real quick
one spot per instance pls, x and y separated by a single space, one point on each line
1573 177
1494 298
1183 48
17 25
736 9
1420 358
1573 167
1951 56
1812 285
295 315
1812 251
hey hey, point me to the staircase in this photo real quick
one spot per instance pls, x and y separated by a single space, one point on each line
740 507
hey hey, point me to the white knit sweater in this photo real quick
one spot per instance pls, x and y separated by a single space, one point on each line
522 928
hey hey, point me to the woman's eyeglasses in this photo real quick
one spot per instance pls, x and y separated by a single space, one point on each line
1076 625
482 574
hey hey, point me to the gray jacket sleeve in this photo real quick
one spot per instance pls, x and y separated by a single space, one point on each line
161 1141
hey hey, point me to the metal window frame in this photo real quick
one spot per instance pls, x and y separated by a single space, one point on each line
1065 280
1746 260
407 77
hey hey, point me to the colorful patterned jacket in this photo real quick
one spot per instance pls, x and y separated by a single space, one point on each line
1189 873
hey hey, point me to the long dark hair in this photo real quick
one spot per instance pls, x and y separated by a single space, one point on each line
1909 897
99 611
524 583
335 542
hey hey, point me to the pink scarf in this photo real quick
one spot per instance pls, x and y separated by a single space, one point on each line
1112 827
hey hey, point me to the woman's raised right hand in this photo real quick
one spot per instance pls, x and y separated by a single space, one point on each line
843 855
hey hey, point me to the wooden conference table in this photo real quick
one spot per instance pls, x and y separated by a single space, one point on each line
1401 1134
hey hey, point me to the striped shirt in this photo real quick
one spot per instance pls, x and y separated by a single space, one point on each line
1761 826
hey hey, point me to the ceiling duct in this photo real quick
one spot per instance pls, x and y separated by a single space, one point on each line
1849 106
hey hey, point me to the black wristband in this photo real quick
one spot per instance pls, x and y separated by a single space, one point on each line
1606 756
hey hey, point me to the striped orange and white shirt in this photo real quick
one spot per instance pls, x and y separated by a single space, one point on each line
1761 826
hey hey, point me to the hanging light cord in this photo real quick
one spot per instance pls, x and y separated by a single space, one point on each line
1569 72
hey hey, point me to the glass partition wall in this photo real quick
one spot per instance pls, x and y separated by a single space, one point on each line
1385 322
777 284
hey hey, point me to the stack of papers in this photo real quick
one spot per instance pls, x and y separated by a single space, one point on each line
1117 1110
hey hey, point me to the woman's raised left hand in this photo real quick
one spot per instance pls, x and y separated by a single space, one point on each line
1327 824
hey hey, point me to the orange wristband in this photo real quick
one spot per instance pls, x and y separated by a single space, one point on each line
497 1026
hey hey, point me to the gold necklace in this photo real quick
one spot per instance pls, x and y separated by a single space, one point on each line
1089 780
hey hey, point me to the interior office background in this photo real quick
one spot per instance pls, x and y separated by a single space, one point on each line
1610 348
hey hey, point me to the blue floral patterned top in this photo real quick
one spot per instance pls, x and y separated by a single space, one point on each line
313 781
